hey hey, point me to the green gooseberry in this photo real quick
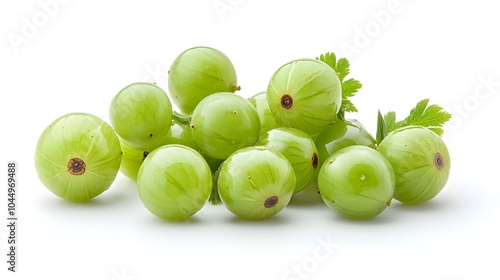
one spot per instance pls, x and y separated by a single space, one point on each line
357 182
256 183
223 123
421 162
198 72
139 113
342 134
132 160
267 121
78 156
305 94
174 182
300 150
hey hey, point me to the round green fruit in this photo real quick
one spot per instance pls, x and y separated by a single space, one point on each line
223 123
174 182
267 121
256 183
78 156
198 72
357 182
305 94
421 162
180 134
300 150
132 160
140 114
342 134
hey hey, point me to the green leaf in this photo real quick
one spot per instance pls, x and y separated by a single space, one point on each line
390 121
349 87
430 116
433 116
342 68
417 111
381 128
438 130
330 59
348 106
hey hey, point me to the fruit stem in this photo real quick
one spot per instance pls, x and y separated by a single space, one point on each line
214 198
341 114
180 118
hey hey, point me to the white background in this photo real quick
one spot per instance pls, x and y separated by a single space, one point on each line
78 54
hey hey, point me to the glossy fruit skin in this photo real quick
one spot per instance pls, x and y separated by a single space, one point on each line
342 134
78 156
256 183
132 159
198 72
421 162
357 182
298 148
267 121
223 123
180 134
305 94
140 114
174 182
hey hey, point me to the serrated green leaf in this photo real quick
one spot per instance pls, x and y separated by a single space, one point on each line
390 121
423 114
438 130
417 111
330 59
432 116
342 68
350 87
348 106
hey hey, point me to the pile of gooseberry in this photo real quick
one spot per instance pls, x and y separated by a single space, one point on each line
200 141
